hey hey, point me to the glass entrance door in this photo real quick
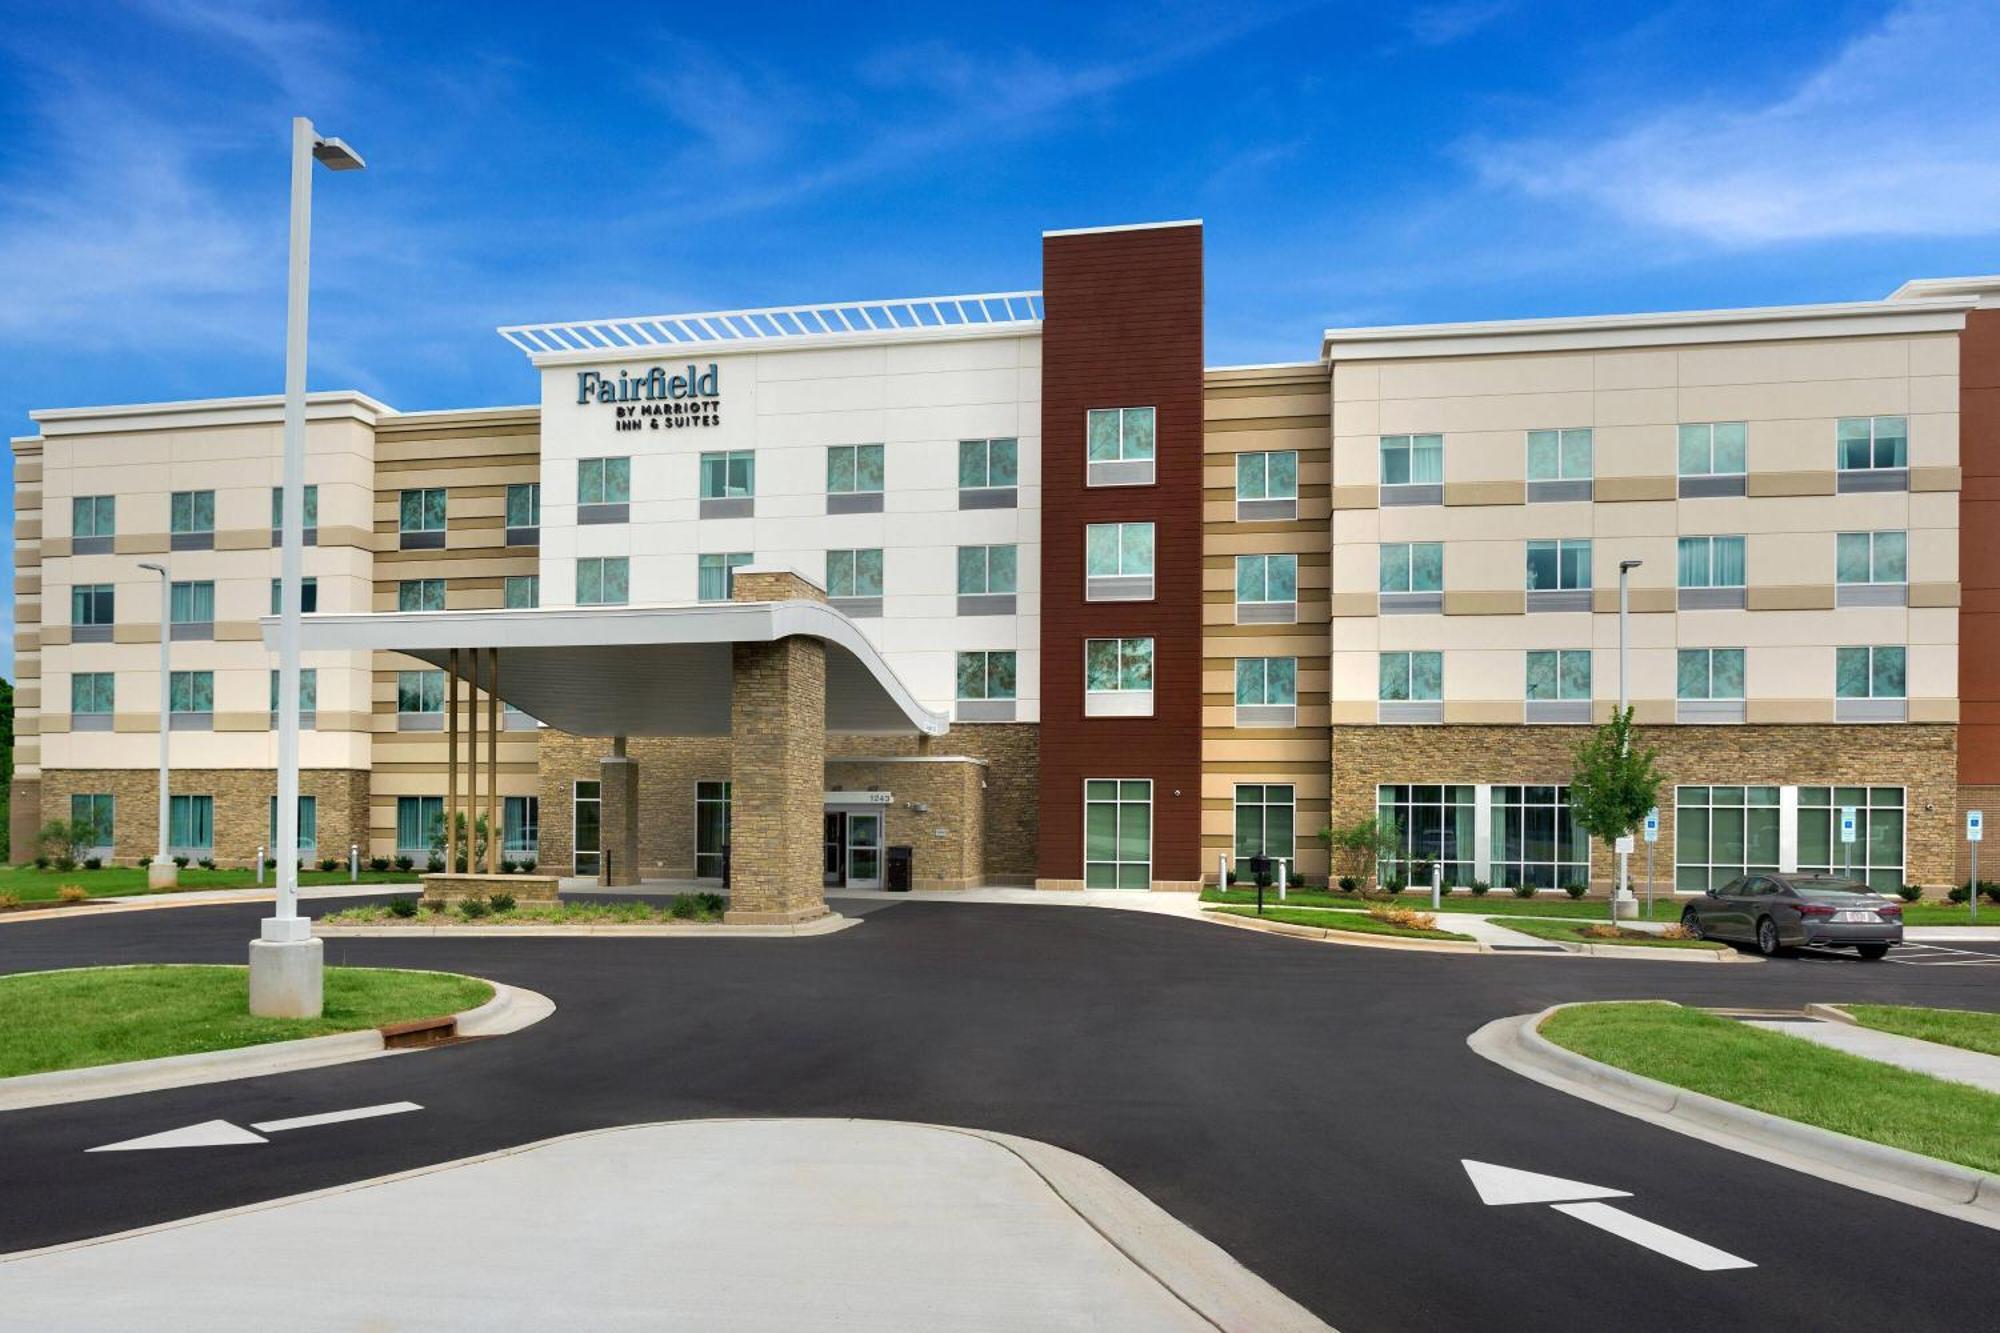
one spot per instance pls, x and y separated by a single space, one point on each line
833 862
584 828
864 851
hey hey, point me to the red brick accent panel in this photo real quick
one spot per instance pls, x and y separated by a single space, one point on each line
1979 549
1122 327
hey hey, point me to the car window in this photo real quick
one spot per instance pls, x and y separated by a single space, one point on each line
1733 888
1760 887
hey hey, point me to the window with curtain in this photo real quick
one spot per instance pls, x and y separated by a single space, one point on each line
602 580
1262 681
308 823
1429 823
308 596
1868 673
1711 562
1412 460
853 469
1708 673
92 604
716 575
1558 565
310 502
1712 448
420 691
1272 475
524 505
986 675
728 476
421 511
1412 567
987 569
93 692
1411 677
191 692
1555 675
1117 833
603 481
93 516
854 573
96 809
1872 557
308 690
1267 578
1721 833
987 463
192 603
1117 665
522 592
1119 434
1264 823
1559 455
521 824
191 825
192 511
417 817
1873 442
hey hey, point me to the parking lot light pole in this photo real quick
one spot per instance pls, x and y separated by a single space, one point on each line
162 873
286 966
1623 904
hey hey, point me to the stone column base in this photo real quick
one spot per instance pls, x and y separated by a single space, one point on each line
162 875
793 917
286 978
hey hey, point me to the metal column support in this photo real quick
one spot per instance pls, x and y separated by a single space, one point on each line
451 764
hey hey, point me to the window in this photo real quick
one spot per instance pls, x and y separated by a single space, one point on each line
603 580
1119 445
190 825
1708 685
522 592
606 481
1711 573
1264 821
586 809
191 609
524 513
308 824
1721 833
1558 687
308 696
1874 453
310 501
420 595
420 519
191 700
1117 833
1412 469
1868 684
988 473
91 610
1876 854
1713 449
1558 575
418 818
716 575
1117 677
1118 562
1429 824
93 522
1872 569
854 479
1267 485
728 483
1536 841
191 523
420 701
1267 589
855 576
1411 577
1410 687
986 686
93 698
1267 691
1559 464
987 578
97 810
520 825
711 828
308 596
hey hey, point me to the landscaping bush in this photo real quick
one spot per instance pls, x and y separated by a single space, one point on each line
1988 890
712 902
1480 888
8 902
403 907
378 864
1992 891
72 893
181 862
506 866
472 908
528 866
436 865
435 906
1576 891
1394 888
1960 894
684 907
1675 932
270 863
329 864
1347 884
1523 890
404 863
41 863
93 863
206 863
502 902
1910 893
65 863
1405 917
1599 931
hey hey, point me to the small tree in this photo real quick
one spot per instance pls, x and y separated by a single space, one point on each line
476 846
68 839
1616 781
1362 846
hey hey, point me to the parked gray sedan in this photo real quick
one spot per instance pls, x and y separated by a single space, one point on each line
1775 911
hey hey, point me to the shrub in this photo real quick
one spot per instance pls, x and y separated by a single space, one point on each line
8 902
1406 917
329 863
65 864
1576 891
403 907
1675 932
206 863
68 839
93 863
502 902
1910 893
1523 890
684 907
1347 884
1480 888
404 863
378 864
1992 891
472 908
436 865
528 866
181 862
506 866
270 863
435 906
1394 888
711 902
41 863
1959 894
72 893
1600 931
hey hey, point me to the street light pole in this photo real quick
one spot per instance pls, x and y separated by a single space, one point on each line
1623 903
163 873
285 960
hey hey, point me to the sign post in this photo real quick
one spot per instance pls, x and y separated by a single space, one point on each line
1847 838
1652 840
1975 831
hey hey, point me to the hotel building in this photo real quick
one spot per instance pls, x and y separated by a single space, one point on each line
1017 583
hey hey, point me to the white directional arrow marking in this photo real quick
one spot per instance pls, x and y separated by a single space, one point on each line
335 1117
1505 1185
208 1134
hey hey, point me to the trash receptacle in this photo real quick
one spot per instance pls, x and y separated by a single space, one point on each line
900 861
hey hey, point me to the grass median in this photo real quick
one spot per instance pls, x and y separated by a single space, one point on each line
25 884
1578 932
1359 922
1787 1077
1665 906
107 1015
1971 1029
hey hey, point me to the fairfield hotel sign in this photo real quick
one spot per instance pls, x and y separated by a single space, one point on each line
656 400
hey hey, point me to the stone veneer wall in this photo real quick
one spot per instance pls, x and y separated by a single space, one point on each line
1011 800
242 807
1922 758
946 840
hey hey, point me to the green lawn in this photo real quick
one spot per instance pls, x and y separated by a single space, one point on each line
1359 922
1937 912
1665 907
1972 1029
1572 932
1785 1076
103 1015
29 885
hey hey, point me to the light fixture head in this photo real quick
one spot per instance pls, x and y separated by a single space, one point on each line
1624 565
335 154
157 569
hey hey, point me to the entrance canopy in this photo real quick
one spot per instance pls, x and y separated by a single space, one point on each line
637 670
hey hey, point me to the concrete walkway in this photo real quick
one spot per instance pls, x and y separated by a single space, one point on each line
712 1225
1952 1063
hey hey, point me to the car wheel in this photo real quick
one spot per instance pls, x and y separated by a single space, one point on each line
1691 923
1872 952
1767 937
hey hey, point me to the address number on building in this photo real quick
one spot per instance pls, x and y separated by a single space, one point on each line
858 798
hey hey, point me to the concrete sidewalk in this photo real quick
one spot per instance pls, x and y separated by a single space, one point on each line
723 1225
1952 1063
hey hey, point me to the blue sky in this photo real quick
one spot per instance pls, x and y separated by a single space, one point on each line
1356 163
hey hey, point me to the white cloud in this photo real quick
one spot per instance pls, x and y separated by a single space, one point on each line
1898 134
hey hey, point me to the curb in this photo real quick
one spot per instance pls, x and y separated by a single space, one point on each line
510 1010
111 904
1943 1187
829 924
1555 949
